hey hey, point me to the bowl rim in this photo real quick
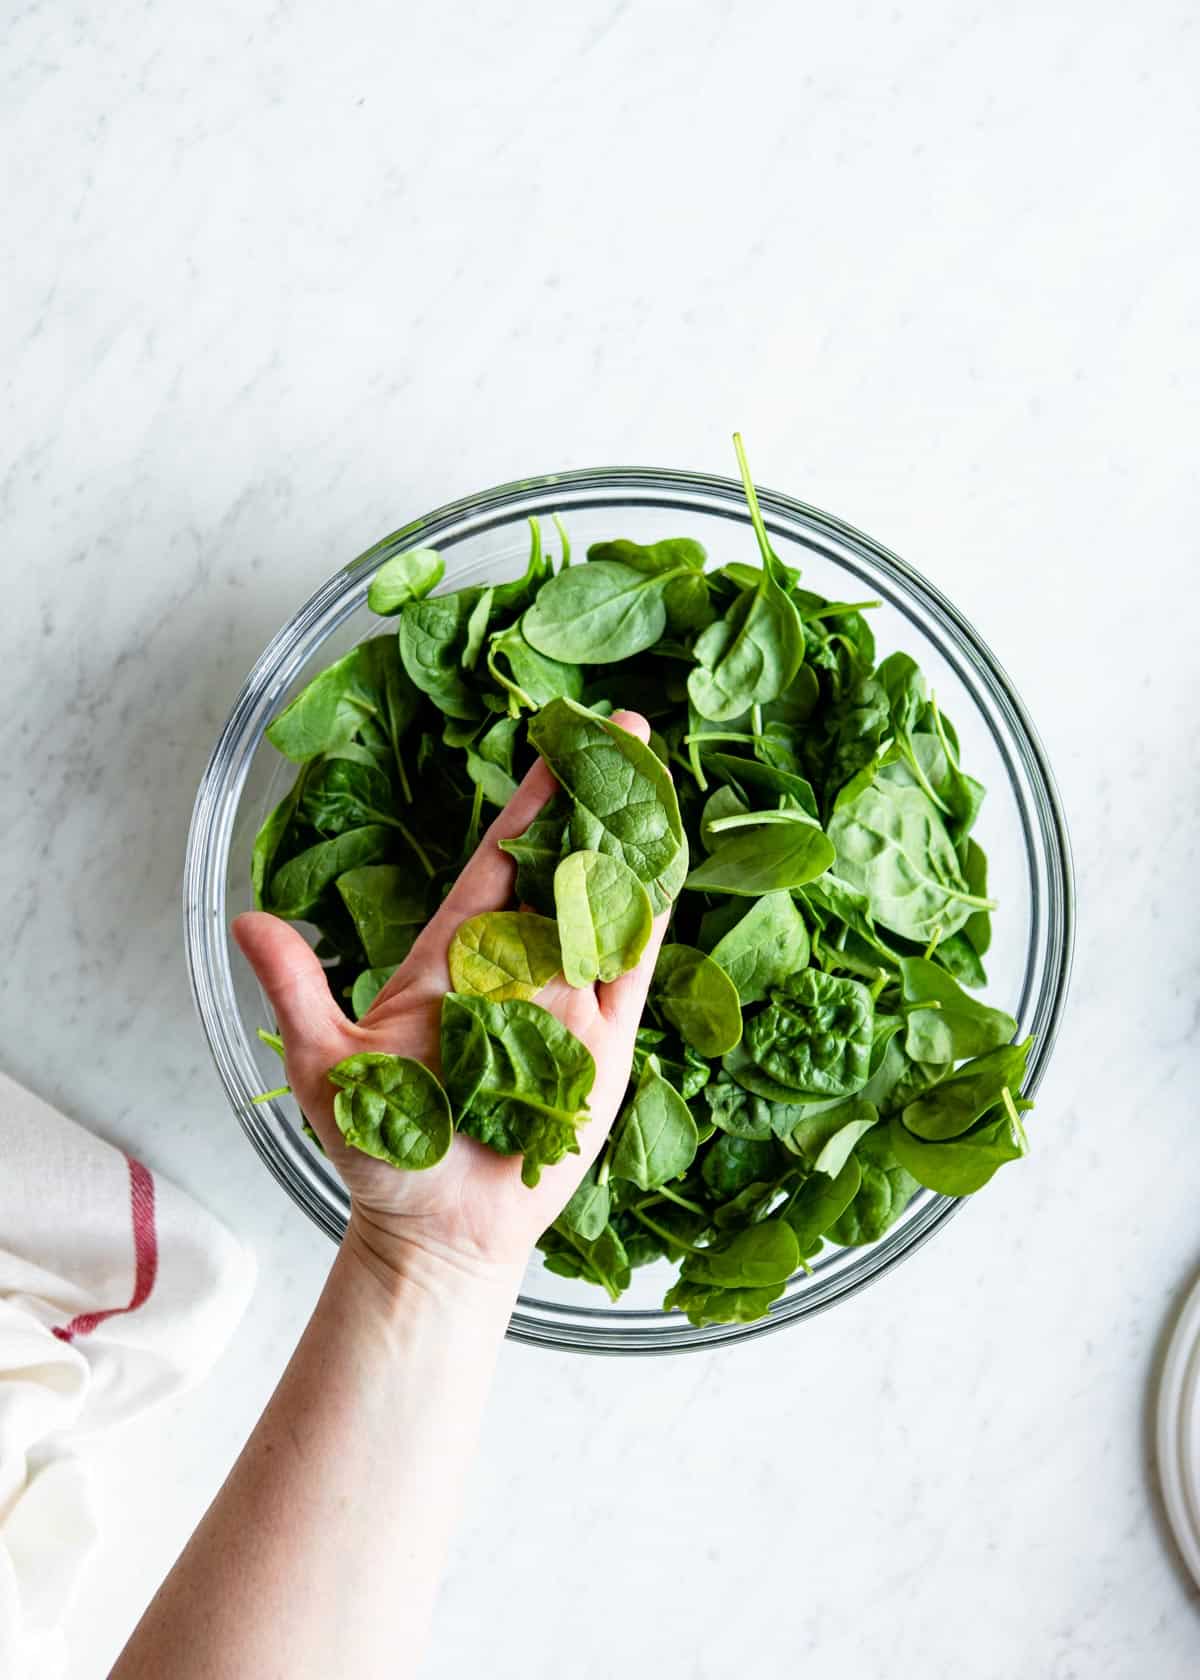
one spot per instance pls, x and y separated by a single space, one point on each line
292 646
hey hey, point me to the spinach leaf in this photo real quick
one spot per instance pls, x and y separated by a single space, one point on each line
769 943
735 1111
604 917
751 654
405 577
754 1258
538 853
368 987
819 1202
891 845
755 861
271 838
531 680
978 926
961 1165
393 1108
602 1260
365 685
729 1164
297 888
433 639
685 592
598 613
388 911
517 1079
504 954
698 998
885 1192
655 1135
750 774
826 1140
944 1024
624 799
705 1304
586 1214
815 1035
955 1103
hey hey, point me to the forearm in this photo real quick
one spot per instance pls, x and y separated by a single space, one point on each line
322 1553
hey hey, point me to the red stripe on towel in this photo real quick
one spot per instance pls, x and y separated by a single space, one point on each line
145 1252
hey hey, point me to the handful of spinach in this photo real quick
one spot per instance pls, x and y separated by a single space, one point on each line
809 1056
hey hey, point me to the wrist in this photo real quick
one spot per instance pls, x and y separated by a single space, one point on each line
407 1274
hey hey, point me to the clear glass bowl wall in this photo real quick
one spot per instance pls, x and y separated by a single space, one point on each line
486 538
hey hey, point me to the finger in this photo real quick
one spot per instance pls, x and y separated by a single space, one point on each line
293 979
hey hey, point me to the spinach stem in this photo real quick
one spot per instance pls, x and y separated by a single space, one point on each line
834 609
565 541
680 1201
417 847
269 1096
661 1231
934 942
756 519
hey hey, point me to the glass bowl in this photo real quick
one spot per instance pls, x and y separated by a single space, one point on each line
486 537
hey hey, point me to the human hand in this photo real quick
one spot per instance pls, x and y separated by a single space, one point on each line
472 1208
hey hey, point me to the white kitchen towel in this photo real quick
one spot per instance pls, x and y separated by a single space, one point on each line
116 1290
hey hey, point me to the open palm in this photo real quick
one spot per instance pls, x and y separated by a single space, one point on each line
473 1203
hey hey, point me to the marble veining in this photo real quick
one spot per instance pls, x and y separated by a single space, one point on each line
278 279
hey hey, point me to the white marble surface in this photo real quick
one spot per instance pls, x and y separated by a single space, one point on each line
280 276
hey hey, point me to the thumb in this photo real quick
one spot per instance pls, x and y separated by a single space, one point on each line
292 977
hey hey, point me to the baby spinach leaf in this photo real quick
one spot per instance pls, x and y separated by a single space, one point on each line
959 958
769 943
748 656
602 1260
944 1024
815 1035
750 775
387 909
892 846
586 1214
885 1192
365 684
433 639
729 1164
624 799
705 1304
477 627
955 1103
504 954
826 1140
819 1202
271 837
961 1165
405 577
736 1111
343 792
296 889
685 595
698 998
655 1135
598 613
604 917
978 926
754 1258
538 853
517 1078
722 802
393 1108
368 987
531 680
741 1066
754 861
